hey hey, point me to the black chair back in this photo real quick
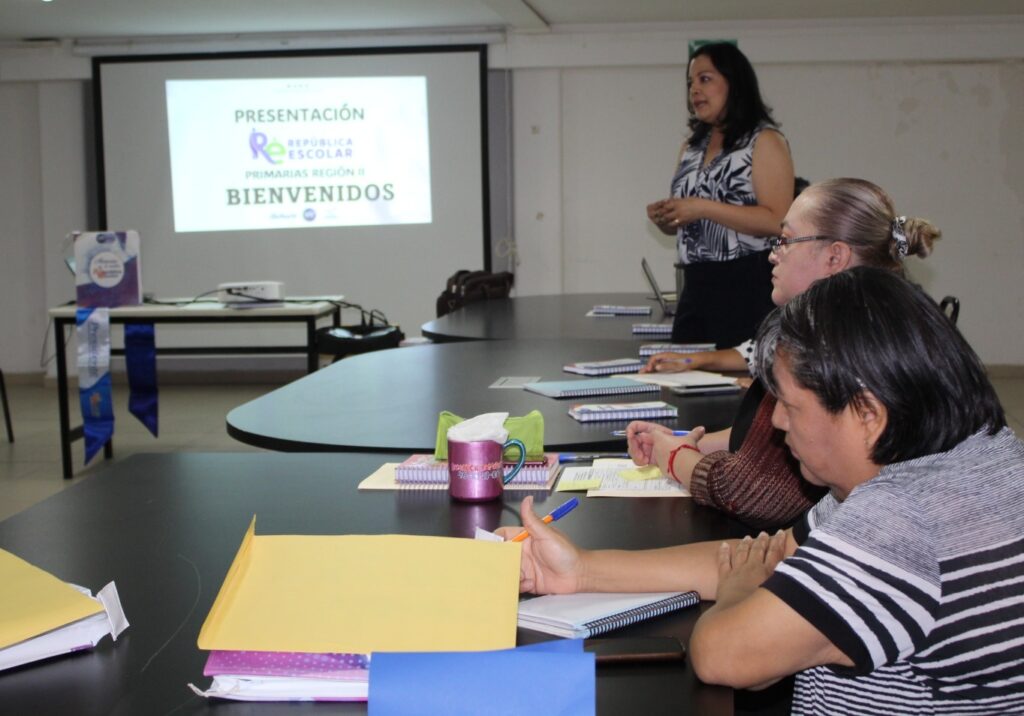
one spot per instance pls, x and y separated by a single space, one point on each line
950 305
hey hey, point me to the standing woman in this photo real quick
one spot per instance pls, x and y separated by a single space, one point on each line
731 191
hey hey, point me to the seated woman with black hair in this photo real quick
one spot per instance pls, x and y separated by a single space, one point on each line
899 592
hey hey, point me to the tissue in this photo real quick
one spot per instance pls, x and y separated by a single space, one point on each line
488 426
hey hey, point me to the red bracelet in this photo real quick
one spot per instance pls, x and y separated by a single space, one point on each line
672 458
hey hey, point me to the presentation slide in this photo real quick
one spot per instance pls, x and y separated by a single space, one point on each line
262 154
360 172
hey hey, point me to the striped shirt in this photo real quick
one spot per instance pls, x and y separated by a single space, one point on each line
918 577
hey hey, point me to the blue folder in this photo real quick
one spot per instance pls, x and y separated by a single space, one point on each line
550 677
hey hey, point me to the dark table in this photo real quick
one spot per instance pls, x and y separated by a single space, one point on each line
560 316
389 400
167 527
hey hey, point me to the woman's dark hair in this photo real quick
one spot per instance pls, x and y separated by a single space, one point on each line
867 330
744 108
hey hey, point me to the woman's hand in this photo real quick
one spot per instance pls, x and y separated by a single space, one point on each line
677 212
550 563
640 439
670 214
663 444
745 567
674 362
654 211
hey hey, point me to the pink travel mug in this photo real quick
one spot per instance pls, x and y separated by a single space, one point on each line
475 469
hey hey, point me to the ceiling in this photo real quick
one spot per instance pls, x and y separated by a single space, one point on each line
22 20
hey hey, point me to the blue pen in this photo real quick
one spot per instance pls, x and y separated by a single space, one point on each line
677 433
573 457
556 514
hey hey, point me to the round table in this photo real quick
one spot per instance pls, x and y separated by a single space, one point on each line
390 400
562 316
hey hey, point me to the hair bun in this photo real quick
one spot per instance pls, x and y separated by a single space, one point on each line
921 235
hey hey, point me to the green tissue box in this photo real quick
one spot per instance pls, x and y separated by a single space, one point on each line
529 428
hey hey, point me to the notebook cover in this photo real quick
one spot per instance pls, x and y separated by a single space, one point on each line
649 349
609 310
652 328
590 386
586 614
383 478
307 665
590 412
605 367
424 468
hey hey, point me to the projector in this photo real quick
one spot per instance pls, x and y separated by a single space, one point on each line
250 292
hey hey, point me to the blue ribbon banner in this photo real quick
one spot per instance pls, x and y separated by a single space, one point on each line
93 328
107 276
140 360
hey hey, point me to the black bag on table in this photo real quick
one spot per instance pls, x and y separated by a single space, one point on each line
470 286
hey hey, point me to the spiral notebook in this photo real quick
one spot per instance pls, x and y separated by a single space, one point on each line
606 310
649 349
424 469
691 382
605 367
578 616
663 329
590 386
592 412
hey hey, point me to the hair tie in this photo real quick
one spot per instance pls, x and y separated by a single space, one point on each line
902 247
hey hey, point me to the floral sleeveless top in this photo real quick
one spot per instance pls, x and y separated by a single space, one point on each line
728 179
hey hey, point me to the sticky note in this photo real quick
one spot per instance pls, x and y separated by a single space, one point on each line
578 485
650 472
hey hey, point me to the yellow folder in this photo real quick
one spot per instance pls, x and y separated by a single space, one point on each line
359 594
33 602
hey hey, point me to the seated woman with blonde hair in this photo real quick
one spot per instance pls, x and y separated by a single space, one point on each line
746 470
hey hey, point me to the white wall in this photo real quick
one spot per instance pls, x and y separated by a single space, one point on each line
22 295
930 111
945 140
943 136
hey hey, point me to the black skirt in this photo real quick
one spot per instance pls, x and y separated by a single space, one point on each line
723 302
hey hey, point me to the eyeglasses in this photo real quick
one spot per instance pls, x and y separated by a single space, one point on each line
778 242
